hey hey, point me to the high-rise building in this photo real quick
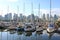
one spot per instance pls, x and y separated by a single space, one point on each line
8 16
43 16
32 18
48 17
15 17
21 17
29 18
51 18
1 17
55 17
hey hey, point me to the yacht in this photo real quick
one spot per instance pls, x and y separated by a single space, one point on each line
58 25
50 28
58 30
20 27
39 28
29 27
11 27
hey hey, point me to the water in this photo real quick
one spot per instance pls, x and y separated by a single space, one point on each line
14 35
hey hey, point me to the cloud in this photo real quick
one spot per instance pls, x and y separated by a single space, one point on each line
47 11
53 11
56 11
42 11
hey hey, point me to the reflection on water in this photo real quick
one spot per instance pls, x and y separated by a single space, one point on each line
28 33
50 36
12 31
15 35
19 33
39 33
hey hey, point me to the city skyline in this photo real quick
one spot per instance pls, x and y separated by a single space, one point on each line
15 16
44 6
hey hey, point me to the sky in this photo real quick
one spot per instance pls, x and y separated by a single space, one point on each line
12 6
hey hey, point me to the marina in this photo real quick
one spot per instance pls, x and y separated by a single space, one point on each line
29 20
50 27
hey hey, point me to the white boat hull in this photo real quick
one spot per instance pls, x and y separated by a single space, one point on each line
39 29
58 29
50 29
29 29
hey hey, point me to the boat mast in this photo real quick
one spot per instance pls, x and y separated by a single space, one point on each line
50 11
39 12
24 7
8 10
8 19
32 6
23 10
31 12
17 12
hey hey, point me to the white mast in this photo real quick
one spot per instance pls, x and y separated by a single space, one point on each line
17 12
32 12
8 10
23 10
32 6
39 12
50 11
24 7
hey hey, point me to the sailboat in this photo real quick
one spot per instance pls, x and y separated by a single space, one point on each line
20 25
39 27
51 25
30 26
58 25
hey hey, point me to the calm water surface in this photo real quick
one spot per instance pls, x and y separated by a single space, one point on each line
14 35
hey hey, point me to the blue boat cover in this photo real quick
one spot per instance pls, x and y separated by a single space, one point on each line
51 25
